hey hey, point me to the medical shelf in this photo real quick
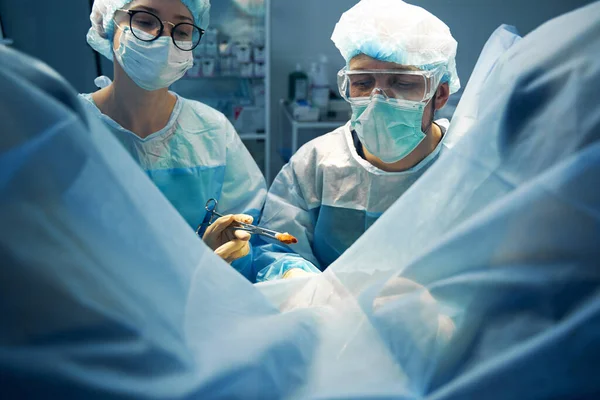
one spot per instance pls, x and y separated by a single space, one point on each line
242 95
300 125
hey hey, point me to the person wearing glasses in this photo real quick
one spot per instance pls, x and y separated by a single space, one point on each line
189 150
400 69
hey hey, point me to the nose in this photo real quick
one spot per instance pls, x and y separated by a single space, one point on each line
378 91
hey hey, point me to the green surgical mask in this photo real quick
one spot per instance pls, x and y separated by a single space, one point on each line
390 129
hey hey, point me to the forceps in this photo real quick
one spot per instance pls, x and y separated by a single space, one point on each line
211 208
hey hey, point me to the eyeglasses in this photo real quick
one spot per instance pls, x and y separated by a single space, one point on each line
148 27
357 86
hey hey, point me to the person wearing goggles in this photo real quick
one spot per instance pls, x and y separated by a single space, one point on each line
393 109
400 68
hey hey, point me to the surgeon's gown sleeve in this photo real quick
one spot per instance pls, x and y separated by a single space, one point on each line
105 292
286 210
327 197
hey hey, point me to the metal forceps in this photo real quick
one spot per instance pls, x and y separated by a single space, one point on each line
211 208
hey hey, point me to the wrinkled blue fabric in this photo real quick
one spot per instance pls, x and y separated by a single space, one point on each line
196 157
468 110
494 289
327 196
494 294
283 263
105 292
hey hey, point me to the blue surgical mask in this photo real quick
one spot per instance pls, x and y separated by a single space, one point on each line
390 129
152 65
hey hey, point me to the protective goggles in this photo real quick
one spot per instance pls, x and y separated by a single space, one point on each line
358 86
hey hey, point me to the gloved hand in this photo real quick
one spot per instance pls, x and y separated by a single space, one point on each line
296 273
228 243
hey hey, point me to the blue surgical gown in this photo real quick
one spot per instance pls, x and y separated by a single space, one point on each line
483 281
105 292
197 156
496 295
327 196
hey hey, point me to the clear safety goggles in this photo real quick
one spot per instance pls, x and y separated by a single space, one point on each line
359 86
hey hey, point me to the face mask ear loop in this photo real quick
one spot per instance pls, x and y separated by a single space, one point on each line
432 114
432 119
117 25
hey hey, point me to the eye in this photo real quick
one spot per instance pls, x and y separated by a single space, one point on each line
143 21
184 32
402 83
404 87
362 83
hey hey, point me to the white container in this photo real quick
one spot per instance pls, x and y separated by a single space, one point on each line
212 49
246 70
259 70
305 113
243 53
208 67
259 54
195 70
249 119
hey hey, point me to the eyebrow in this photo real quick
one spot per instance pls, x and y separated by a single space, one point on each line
183 18
155 11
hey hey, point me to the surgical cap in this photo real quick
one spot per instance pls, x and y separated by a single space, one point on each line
394 31
101 33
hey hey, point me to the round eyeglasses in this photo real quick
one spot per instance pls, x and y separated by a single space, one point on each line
148 27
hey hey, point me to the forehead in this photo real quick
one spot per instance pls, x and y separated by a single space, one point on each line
364 62
169 10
